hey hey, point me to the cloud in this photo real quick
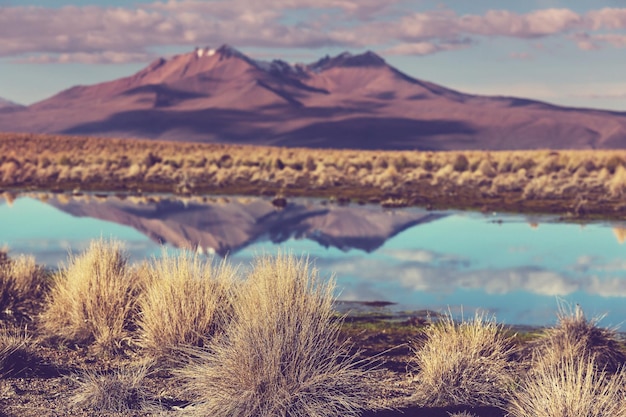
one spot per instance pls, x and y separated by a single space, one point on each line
425 48
442 274
106 57
522 56
95 34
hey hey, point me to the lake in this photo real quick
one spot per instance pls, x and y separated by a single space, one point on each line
514 266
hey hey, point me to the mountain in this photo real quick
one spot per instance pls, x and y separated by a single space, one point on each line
9 106
224 227
346 101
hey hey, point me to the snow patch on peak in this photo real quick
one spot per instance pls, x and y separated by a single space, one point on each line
206 51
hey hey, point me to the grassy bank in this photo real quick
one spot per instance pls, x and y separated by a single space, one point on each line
184 336
570 183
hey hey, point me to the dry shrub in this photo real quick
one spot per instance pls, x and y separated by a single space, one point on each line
22 284
617 184
93 299
462 414
466 363
281 354
119 391
573 387
575 335
16 352
185 302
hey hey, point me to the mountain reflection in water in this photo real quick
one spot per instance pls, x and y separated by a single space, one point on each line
225 225
514 266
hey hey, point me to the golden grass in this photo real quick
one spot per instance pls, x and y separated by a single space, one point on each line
185 302
21 282
572 387
464 363
577 336
281 354
518 178
119 391
92 300
16 352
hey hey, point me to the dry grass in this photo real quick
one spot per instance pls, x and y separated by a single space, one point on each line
573 387
466 363
575 335
22 282
281 355
119 391
93 299
523 178
16 352
185 302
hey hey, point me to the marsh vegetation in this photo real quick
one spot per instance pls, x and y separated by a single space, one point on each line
181 335
570 183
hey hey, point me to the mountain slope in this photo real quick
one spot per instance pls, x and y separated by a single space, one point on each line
347 101
9 106
225 227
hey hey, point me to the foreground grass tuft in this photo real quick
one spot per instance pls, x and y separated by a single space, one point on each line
281 354
16 352
575 335
466 363
572 387
93 299
22 282
119 391
185 302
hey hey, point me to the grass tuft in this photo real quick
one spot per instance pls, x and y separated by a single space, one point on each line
461 414
185 302
575 335
16 352
93 299
281 354
22 283
572 387
467 363
119 391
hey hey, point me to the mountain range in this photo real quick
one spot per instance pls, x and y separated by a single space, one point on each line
225 227
7 105
346 101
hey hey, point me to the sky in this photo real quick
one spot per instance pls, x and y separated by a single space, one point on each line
569 53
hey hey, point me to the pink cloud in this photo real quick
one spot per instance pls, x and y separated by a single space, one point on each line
107 57
523 56
117 34
424 48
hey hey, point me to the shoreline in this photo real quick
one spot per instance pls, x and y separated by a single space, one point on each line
574 185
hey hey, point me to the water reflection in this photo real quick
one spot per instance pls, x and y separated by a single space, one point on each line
225 225
511 265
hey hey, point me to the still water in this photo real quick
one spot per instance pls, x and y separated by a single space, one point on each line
513 266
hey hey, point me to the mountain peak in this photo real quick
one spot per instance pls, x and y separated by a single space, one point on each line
9 105
228 51
346 59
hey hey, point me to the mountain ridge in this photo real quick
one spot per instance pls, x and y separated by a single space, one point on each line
346 101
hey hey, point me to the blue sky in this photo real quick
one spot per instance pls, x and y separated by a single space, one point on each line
570 53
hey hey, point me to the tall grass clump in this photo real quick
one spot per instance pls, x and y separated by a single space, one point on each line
186 301
572 387
281 354
464 363
22 284
16 352
119 391
93 298
575 335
